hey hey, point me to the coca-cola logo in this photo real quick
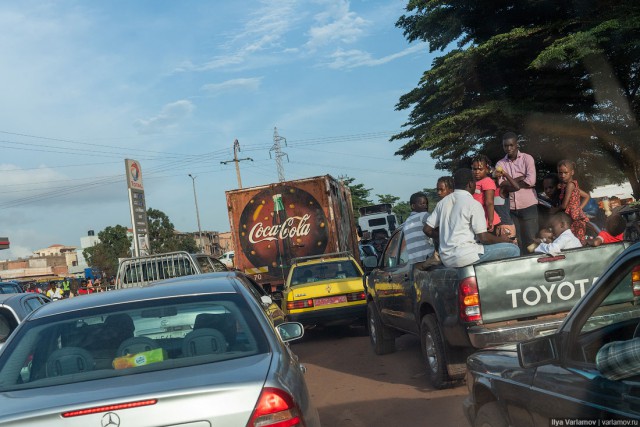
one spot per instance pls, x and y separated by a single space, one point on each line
279 223
292 227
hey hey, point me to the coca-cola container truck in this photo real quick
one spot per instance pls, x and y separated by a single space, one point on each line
273 223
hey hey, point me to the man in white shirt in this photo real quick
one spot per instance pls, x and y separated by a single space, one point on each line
460 222
419 246
560 225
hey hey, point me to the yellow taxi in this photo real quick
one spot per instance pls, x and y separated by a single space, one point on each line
325 290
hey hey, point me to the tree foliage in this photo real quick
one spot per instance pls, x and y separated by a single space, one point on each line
114 244
564 74
163 236
359 195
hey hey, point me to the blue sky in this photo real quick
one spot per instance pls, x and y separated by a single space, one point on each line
86 84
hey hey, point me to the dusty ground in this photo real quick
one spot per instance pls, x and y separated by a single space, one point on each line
353 387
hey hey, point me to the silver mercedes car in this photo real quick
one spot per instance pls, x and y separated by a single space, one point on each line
192 353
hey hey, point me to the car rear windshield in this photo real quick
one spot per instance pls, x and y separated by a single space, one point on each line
324 271
131 338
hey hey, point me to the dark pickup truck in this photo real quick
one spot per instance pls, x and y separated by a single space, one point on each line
458 310
568 378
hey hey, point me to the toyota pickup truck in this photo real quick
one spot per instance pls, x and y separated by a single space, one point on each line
455 311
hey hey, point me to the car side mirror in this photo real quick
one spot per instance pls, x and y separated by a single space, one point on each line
370 261
290 331
538 351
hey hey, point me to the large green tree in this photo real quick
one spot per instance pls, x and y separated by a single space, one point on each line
163 236
562 73
359 194
114 243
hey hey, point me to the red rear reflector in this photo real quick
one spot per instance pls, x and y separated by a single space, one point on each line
275 408
108 408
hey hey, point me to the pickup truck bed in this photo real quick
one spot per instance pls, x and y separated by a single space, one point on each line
458 310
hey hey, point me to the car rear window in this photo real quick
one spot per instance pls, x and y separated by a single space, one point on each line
130 338
324 271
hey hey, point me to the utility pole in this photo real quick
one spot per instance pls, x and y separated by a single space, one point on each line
193 179
279 154
236 160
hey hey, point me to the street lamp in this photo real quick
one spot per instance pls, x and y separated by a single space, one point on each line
193 180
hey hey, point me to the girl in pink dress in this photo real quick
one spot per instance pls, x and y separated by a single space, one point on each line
485 189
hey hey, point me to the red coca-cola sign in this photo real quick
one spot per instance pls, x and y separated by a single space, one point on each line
280 223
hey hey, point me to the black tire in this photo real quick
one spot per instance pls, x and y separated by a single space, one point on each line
490 415
433 352
382 338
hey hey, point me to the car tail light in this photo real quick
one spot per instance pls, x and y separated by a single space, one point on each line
305 303
275 408
109 408
469 300
356 296
635 281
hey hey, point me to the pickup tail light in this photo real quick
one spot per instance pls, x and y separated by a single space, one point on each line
469 300
275 408
635 281
304 303
356 296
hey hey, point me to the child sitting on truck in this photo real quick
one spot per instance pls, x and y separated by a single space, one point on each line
613 231
560 226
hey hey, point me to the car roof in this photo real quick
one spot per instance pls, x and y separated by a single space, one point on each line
213 283
5 297
323 260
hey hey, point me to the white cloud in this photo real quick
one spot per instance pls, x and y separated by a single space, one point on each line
169 116
249 84
337 24
348 59
265 30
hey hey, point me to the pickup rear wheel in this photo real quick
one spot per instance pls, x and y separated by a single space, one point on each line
433 352
490 415
382 338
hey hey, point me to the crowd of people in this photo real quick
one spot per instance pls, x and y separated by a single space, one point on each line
487 213
68 288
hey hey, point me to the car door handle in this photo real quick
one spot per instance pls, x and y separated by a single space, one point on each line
554 275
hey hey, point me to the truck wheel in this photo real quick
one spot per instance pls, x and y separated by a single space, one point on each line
433 352
490 415
382 337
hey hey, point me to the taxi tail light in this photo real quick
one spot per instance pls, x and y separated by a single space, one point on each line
469 300
305 303
635 281
275 408
356 296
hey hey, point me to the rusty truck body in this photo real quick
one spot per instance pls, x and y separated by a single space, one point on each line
274 223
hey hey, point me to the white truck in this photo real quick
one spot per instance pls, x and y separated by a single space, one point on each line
376 217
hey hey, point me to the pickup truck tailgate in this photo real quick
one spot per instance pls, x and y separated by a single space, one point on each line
540 284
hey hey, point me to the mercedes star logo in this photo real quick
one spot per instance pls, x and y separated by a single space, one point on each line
110 419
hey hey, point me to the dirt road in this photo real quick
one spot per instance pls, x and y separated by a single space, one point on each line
352 387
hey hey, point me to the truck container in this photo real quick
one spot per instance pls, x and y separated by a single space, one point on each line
273 223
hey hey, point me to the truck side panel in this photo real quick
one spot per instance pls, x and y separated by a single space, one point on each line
540 284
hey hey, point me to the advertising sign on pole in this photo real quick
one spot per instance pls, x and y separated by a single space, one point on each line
137 208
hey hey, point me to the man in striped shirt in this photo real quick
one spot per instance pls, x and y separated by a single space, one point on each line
420 248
